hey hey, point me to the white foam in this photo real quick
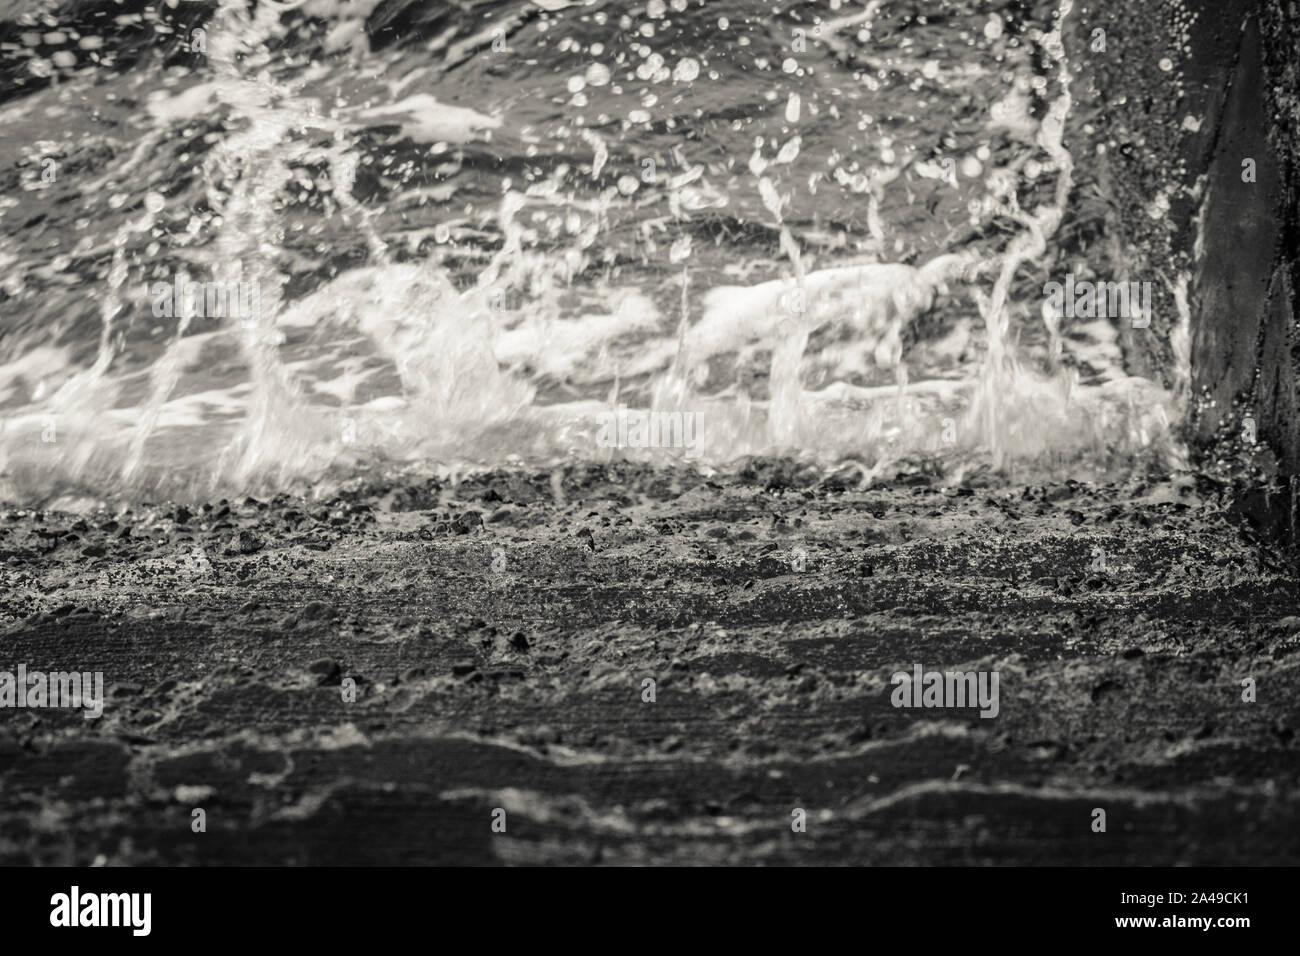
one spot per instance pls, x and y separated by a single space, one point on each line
46 364
183 106
425 120
560 347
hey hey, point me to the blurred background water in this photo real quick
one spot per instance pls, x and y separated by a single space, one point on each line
471 228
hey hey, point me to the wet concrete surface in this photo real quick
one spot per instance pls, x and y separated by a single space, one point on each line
498 635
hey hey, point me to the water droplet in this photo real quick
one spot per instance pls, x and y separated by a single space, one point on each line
789 152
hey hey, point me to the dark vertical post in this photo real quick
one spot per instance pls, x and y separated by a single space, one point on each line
1245 347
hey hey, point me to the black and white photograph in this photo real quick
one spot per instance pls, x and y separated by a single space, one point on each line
651 434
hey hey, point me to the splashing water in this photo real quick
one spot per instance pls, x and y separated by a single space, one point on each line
441 285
